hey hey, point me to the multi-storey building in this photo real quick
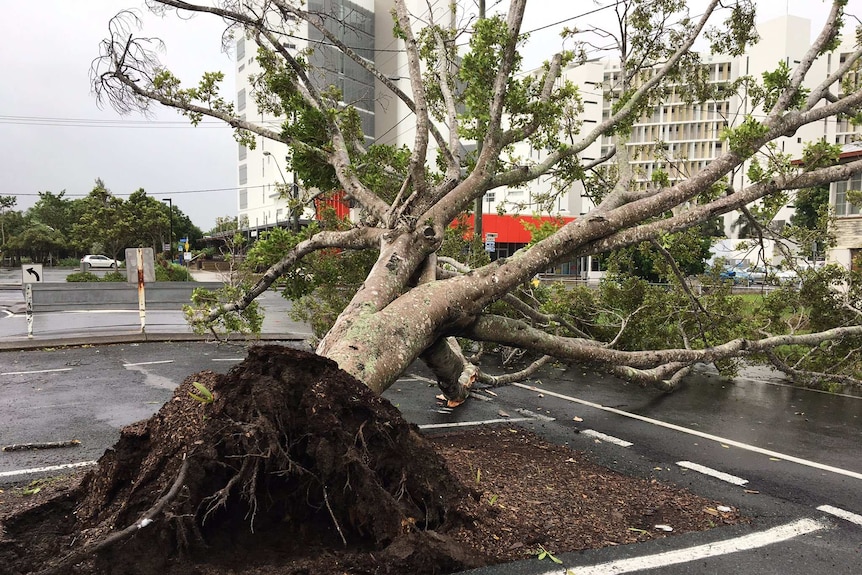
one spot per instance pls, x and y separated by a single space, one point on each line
681 138
366 27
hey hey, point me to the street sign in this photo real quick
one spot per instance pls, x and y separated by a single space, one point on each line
31 274
490 242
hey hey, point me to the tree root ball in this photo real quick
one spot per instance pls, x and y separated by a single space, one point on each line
284 453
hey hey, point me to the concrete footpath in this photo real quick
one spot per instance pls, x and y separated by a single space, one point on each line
101 326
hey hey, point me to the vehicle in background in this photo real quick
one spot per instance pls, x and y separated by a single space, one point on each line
734 274
99 261
758 274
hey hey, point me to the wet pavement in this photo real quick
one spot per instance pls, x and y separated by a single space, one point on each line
790 456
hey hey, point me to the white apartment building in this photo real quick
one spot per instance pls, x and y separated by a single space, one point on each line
367 28
681 138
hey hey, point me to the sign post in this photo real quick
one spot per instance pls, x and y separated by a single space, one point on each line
28 298
30 274
142 299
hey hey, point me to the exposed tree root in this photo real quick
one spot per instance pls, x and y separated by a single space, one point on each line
146 519
291 452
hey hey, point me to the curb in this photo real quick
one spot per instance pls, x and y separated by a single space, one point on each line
53 342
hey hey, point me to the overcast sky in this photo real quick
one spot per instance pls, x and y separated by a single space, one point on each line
53 136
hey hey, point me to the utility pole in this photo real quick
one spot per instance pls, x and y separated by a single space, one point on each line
171 239
477 208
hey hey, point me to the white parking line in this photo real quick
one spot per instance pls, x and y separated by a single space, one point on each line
608 438
148 363
660 560
36 371
712 472
469 423
46 469
838 512
696 433
228 358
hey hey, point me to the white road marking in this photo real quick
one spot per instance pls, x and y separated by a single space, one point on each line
699 552
96 311
838 512
46 469
36 371
228 358
532 415
148 363
696 433
609 438
713 472
413 376
469 423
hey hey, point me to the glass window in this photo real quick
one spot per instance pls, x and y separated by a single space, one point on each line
240 100
240 49
243 199
243 174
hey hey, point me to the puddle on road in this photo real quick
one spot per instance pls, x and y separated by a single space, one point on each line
153 379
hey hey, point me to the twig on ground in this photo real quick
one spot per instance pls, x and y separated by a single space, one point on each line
42 445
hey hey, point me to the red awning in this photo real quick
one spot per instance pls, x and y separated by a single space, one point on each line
510 229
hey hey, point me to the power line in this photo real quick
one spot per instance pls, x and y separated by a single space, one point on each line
169 193
103 123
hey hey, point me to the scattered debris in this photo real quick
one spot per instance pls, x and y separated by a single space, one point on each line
666 528
42 445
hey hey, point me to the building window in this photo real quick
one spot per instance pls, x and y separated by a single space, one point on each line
242 153
240 49
243 199
240 100
842 206
243 174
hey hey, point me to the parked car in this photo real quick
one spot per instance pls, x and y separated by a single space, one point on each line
735 274
757 274
99 261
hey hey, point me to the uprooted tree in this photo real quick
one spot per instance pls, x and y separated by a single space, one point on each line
413 305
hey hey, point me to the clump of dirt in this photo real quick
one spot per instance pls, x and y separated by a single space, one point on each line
284 455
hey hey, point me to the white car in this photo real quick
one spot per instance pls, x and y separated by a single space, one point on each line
99 261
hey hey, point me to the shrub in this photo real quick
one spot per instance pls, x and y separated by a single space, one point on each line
82 277
173 273
114 277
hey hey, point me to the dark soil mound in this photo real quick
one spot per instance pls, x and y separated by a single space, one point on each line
283 455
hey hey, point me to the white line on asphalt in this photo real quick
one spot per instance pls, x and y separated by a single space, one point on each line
46 469
796 387
713 472
694 432
609 438
469 423
533 415
660 560
410 376
838 512
228 358
36 371
148 363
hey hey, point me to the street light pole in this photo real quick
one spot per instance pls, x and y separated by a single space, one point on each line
171 239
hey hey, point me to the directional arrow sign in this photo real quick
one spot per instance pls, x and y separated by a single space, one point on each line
31 273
